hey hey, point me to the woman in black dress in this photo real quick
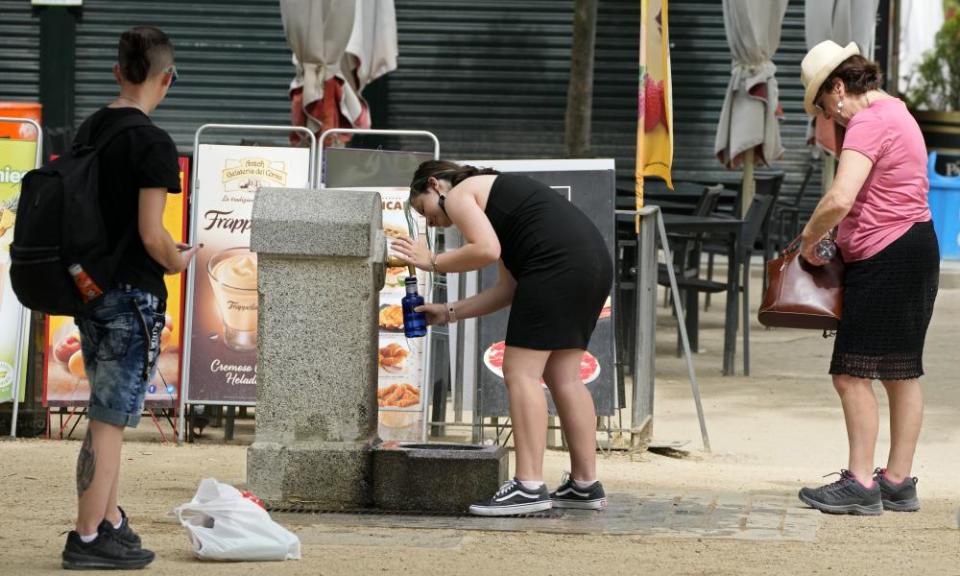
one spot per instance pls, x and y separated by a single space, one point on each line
556 273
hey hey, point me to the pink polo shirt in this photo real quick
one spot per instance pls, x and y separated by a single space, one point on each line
894 196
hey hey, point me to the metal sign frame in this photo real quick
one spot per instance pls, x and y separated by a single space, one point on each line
191 270
15 398
431 241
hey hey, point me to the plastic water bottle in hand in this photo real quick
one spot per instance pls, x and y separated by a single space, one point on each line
825 249
414 323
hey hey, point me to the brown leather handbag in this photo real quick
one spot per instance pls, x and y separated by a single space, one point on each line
800 295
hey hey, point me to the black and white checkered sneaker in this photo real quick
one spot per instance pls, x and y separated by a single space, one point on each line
513 499
569 495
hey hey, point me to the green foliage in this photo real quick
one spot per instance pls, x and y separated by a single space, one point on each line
937 85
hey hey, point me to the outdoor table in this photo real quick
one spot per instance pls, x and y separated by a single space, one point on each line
670 206
690 195
721 228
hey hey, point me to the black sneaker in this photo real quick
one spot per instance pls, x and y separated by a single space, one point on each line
845 496
124 533
512 499
900 497
104 553
568 495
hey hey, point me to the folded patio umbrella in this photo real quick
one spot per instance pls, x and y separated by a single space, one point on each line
748 119
339 47
748 132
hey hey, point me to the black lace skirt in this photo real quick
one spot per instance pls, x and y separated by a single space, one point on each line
887 304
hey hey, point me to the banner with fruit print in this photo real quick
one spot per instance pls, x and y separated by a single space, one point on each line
64 379
655 97
221 353
17 157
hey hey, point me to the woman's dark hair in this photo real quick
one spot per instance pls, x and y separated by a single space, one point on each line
443 170
859 75
143 51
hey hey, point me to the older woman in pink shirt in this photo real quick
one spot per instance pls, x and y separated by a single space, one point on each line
878 204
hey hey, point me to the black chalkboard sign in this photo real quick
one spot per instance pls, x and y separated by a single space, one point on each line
592 191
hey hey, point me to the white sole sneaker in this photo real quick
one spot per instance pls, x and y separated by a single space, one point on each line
598 504
511 509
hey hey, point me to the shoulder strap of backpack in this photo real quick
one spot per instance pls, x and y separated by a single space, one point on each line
83 137
124 124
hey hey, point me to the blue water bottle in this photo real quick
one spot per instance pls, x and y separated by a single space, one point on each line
414 323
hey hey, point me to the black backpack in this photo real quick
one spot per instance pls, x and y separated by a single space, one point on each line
59 224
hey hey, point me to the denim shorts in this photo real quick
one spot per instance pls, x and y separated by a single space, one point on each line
120 340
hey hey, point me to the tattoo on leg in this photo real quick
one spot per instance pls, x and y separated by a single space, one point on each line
86 464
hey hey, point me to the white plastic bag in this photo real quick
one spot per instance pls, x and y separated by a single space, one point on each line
223 525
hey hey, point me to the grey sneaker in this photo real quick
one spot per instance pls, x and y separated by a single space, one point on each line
900 497
513 499
845 496
568 495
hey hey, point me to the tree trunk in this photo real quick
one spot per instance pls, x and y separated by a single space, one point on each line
580 90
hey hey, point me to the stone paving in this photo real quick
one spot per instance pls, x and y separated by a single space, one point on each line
748 516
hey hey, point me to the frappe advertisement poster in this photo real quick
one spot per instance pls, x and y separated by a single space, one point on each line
223 339
17 157
65 381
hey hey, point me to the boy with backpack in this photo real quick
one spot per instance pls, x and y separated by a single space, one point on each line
117 265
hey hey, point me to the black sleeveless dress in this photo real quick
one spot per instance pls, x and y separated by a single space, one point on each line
559 259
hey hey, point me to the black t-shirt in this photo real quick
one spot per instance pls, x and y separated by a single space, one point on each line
142 157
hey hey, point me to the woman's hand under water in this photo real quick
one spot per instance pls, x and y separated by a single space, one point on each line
414 253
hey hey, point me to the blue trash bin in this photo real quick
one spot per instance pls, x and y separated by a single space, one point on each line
944 201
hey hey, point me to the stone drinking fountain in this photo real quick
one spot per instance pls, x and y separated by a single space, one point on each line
321 268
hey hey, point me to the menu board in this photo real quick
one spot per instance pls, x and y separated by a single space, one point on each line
401 374
222 349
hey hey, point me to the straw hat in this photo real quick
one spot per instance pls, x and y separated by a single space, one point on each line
819 62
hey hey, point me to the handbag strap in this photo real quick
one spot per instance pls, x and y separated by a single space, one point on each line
792 247
790 252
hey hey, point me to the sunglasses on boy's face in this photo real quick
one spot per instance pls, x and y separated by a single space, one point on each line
172 70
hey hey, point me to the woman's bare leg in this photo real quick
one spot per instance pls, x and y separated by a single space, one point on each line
575 408
863 422
522 370
906 418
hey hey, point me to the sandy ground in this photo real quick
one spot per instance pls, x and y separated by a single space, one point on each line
777 430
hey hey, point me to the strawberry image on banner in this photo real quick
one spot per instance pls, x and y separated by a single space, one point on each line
655 101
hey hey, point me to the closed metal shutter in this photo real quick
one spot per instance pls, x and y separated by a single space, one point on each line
232 58
488 77
19 52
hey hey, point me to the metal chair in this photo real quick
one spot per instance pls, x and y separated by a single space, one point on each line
686 247
767 185
758 213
